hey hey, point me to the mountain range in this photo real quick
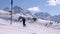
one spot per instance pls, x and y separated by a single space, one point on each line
19 10
41 15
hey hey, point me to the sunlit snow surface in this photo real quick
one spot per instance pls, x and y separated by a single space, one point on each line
37 27
31 28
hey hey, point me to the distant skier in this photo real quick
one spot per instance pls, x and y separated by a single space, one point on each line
23 19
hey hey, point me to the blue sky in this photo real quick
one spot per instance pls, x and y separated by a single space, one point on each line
50 6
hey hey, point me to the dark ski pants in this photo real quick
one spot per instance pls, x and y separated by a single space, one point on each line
24 23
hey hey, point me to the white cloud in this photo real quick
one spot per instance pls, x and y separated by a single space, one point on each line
53 2
33 9
58 1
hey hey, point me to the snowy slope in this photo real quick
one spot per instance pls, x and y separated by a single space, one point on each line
37 27
4 12
17 28
47 23
6 15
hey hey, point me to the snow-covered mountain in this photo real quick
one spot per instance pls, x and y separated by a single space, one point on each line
55 18
39 27
42 15
2 12
19 10
6 15
46 16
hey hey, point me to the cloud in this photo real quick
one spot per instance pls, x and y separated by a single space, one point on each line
53 2
34 9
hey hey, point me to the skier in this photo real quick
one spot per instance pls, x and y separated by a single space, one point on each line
23 19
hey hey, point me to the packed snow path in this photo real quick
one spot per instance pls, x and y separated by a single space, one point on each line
31 28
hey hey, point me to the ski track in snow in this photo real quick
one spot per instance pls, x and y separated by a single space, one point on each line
31 28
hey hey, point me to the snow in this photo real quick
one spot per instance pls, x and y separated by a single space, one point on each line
3 12
31 28
6 15
37 27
